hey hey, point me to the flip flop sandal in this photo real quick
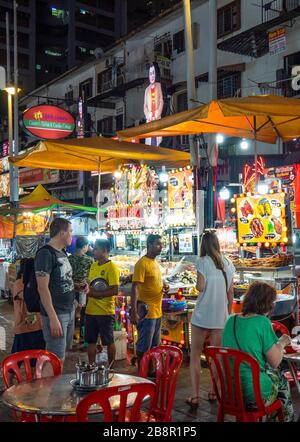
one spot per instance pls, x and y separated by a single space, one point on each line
212 397
192 404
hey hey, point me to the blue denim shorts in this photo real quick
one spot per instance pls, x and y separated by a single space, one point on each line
60 345
149 332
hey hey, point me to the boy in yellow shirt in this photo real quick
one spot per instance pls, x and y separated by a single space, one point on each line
100 309
148 287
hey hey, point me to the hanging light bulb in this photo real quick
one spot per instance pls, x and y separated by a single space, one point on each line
244 144
224 194
220 138
263 188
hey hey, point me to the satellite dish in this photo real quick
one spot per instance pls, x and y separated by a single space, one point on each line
98 52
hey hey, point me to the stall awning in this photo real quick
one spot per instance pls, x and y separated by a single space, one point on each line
98 153
265 117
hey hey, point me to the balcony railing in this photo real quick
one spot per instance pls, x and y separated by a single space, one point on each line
273 9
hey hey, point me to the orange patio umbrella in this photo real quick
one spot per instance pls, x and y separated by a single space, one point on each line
262 118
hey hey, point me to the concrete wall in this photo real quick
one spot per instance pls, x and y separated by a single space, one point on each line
139 47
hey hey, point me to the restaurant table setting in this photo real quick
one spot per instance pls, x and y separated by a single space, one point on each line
60 395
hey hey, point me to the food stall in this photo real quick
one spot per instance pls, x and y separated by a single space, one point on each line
144 202
29 223
264 237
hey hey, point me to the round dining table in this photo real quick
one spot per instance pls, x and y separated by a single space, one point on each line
55 396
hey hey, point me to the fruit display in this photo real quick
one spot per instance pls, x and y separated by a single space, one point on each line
278 260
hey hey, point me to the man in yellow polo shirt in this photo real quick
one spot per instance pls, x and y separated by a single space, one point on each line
148 287
100 309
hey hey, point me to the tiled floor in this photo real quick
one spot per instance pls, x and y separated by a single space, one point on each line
181 412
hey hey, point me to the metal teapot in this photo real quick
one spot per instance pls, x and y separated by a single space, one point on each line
90 375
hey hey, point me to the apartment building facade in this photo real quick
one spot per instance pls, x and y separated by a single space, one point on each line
113 85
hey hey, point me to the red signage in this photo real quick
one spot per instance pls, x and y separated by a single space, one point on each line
29 177
4 151
50 122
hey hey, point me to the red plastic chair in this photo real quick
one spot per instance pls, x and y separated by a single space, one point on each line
102 398
167 360
21 360
283 330
225 373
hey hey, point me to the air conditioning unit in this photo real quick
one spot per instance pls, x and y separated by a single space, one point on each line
174 53
110 61
98 52
292 4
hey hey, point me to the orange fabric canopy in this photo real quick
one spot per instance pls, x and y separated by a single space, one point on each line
271 117
93 154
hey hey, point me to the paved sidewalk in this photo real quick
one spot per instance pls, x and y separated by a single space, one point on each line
207 411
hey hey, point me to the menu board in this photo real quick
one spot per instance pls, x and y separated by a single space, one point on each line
185 243
262 218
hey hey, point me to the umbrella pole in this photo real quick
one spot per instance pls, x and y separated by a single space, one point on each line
99 195
255 154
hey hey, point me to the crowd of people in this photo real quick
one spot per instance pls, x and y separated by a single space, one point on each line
63 282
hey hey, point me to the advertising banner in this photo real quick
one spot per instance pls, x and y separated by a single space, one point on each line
185 243
180 190
262 218
277 41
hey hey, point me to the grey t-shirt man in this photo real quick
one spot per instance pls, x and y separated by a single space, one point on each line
61 284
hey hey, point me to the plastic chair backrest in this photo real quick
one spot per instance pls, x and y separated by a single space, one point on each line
279 327
102 397
167 361
16 361
227 384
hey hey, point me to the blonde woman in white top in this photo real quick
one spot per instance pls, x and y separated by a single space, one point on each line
215 284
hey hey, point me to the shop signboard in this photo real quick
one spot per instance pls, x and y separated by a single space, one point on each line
4 185
185 243
30 177
277 41
4 151
262 219
49 122
4 165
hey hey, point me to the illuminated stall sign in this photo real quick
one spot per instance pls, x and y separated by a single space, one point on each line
29 177
262 219
4 150
50 122
4 185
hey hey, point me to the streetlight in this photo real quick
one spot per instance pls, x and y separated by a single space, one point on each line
11 90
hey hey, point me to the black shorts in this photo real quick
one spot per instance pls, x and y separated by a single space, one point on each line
96 325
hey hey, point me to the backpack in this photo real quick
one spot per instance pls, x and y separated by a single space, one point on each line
31 294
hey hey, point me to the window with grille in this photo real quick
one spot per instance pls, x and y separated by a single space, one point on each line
105 80
105 126
229 18
179 42
229 84
86 89
119 122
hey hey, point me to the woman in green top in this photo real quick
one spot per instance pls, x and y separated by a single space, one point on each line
252 333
